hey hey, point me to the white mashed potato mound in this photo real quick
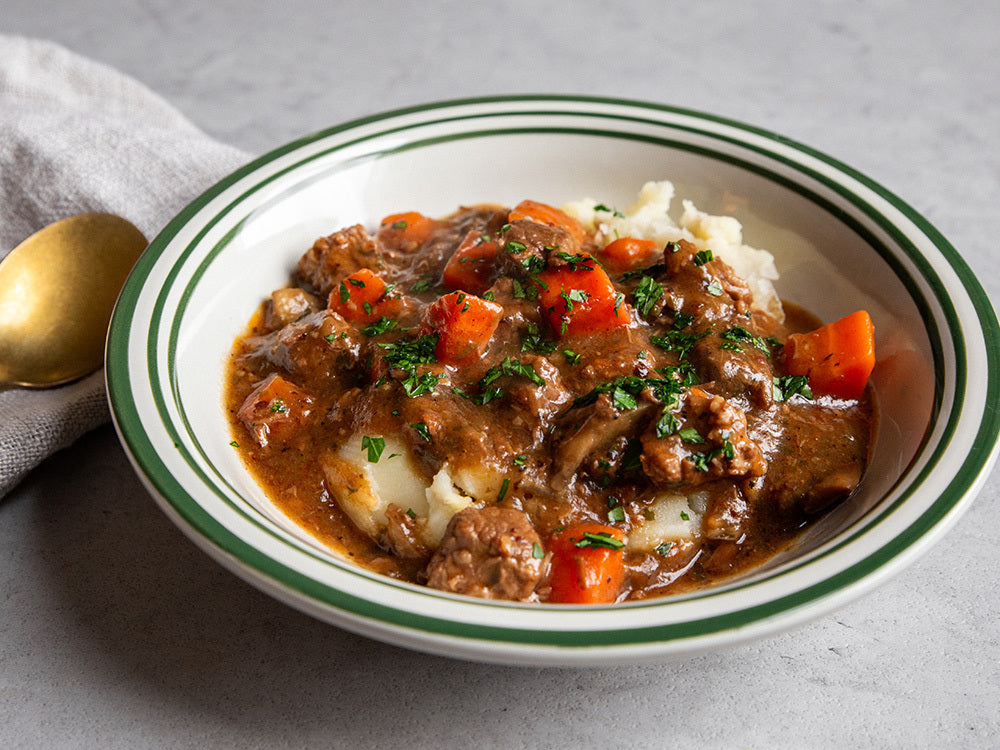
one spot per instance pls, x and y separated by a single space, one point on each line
649 218
364 489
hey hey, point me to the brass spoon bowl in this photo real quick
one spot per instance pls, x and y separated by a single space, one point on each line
57 292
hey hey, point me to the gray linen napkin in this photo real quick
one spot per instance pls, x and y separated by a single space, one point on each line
78 136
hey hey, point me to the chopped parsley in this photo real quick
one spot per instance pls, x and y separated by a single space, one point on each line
278 407
624 390
691 435
374 446
702 460
414 385
572 357
529 292
600 539
613 211
738 334
702 257
663 549
646 294
666 425
519 461
577 261
678 341
382 325
421 428
786 386
533 341
406 354
423 285
510 366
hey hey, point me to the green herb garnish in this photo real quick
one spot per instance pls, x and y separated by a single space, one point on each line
601 539
374 446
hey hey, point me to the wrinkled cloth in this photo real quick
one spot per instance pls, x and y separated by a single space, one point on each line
78 136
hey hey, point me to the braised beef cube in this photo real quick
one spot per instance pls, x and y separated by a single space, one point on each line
707 289
333 258
535 403
402 536
488 552
526 248
735 365
275 411
726 515
590 430
832 488
711 442
313 349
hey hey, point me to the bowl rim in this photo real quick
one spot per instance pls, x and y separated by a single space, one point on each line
570 645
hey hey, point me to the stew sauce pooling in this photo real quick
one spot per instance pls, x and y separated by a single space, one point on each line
492 404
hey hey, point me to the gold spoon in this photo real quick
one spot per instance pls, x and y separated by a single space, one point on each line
57 291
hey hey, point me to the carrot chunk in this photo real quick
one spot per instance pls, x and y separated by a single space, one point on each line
406 231
837 358
587 564
363 297
464 323
579 298
542 213
628 254
470 267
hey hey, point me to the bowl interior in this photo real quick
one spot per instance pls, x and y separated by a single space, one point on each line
828 265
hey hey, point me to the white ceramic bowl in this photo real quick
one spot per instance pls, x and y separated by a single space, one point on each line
841 242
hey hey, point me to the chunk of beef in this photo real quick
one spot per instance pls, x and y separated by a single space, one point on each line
739 370
590 430
275 411
401 535
526 247
313 349
489 553
726 515
333 258
708 290
712 442
534 405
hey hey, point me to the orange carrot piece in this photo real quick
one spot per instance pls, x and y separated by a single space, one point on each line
587 564
464 323
363 297
406 231
580 298
470 267
628 254
837 358
542 213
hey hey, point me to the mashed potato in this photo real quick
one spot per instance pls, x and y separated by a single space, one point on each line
649 218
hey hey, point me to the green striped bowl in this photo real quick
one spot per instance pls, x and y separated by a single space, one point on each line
841 241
